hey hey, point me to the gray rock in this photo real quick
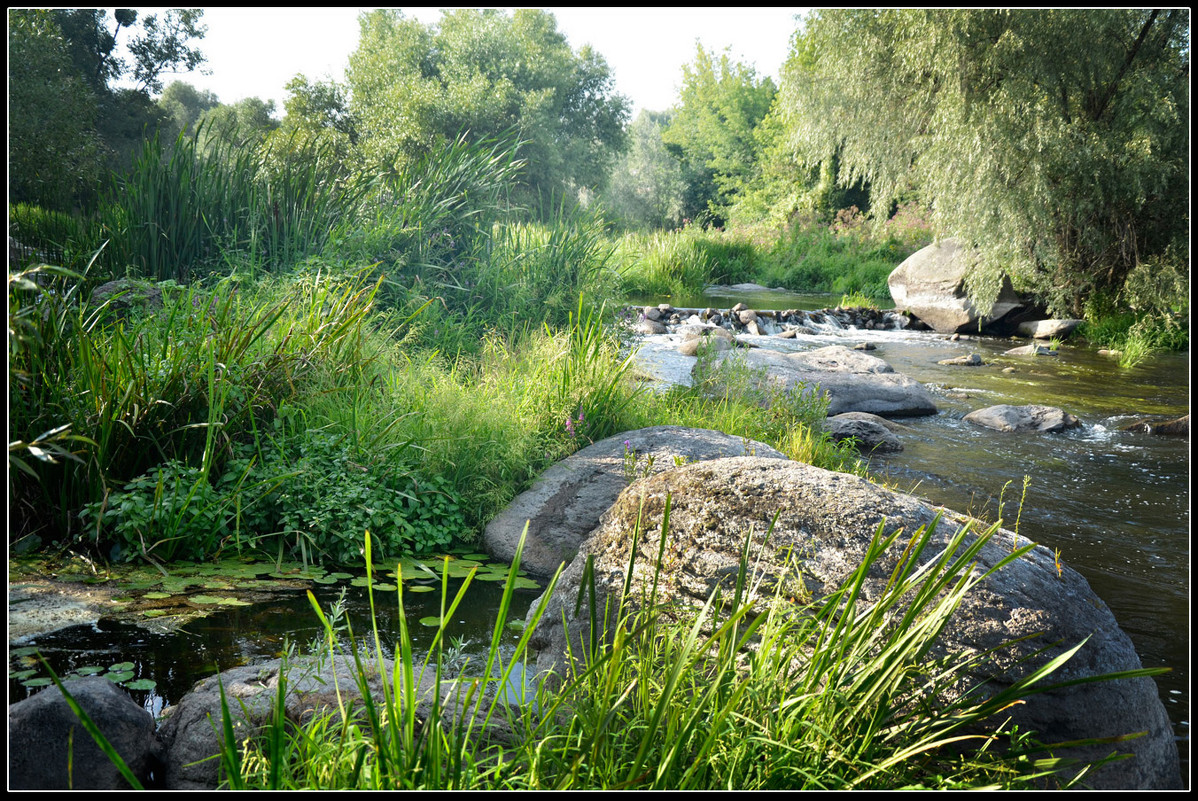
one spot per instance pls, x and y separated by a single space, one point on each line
192 731
972 360
1169 428
565 504
40 728
1047 329
690 347
870 437
1031 350
855 382
930 284
650 327
1032 417
1025 615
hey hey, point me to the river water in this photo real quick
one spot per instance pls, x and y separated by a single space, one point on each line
1116 503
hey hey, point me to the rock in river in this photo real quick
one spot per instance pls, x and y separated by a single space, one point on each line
1029 612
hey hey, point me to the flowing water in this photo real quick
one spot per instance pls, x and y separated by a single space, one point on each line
1115 503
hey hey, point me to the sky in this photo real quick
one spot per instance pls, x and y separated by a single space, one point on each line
254 52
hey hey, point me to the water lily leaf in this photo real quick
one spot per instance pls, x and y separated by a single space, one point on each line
526 584
89 670
516 625
118 678
42 682
432 620
154 612
385 587
28 650
24 674
121 666
154 596
421 588
141 684
326 580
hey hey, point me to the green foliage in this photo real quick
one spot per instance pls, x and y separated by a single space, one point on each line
55 154
846 257
68 124
682 263
414 88
646 185
190 207
721 105
183 106
329 492
1056 142
172 512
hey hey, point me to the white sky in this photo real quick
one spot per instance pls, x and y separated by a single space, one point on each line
254 52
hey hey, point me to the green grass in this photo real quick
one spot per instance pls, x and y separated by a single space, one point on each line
750 690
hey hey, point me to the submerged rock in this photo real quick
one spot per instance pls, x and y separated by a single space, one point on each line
1025 615
870 436
1170 428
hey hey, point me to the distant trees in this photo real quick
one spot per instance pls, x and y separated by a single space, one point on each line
1055 141
712 131
413 87
69 121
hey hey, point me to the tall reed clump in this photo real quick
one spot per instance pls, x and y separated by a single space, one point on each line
751 690
179 386
191 207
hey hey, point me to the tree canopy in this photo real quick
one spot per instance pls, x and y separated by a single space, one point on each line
69 120
1054 141
721 104
414 86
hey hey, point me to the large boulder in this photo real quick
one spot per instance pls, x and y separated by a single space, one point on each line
870 436
930 284
565 504
1018 419
1028 613
854 381
48 748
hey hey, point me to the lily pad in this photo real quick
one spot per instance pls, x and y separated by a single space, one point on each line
141 684
421 588
89 670
28 650
432 620
120 667
385 587
153 612
40 682
154 596
119 678
22 674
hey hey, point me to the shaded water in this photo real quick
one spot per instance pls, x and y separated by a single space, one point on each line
177 659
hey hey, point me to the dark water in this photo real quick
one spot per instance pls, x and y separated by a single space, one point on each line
176 660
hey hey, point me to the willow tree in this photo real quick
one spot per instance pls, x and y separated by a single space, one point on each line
1054 141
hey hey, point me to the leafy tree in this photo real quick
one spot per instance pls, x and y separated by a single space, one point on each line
414 87
319 107
183 106
71 118
248 120
646 185
55 155
1054 141
712 130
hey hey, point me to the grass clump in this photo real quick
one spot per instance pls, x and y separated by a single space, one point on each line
751 690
